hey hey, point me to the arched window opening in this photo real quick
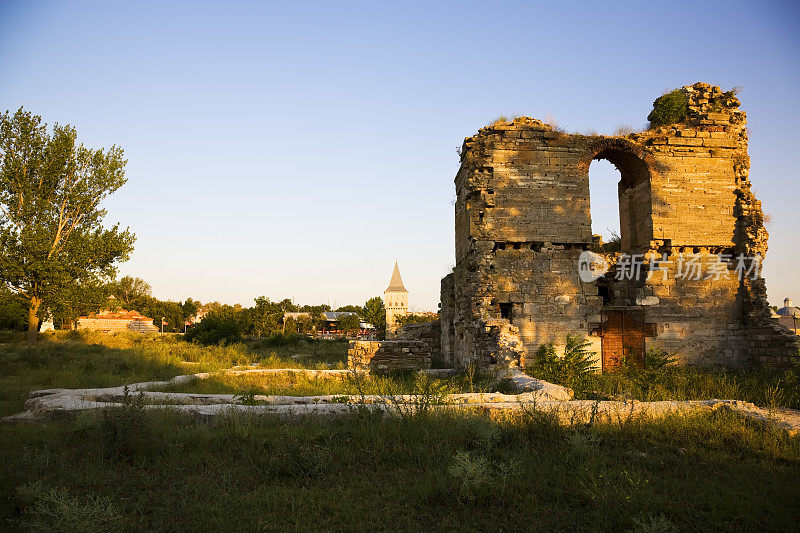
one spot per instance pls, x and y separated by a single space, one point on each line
631 198
604 203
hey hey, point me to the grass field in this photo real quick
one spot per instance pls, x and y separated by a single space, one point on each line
310 386
84 359
128 469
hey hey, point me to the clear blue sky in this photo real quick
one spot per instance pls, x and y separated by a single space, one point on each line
296 149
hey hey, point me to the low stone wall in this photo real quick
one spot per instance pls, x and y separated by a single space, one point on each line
773 345
389 356
114 325
103 324
429 332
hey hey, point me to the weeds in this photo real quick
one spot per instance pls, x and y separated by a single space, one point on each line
81 359
573 369
472 474
437 471
126 430
245 398
662 379
46 508
624 130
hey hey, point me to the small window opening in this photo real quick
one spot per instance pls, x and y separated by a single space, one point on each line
603 292
505 311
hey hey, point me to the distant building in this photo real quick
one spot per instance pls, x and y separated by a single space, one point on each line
295 315
788 309
395 300
331 326
329 329
47 323
117 320
788 315
198 317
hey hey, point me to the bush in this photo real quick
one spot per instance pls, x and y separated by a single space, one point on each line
279 340
670 108
48 508
655 359
215 331
572 369
126 430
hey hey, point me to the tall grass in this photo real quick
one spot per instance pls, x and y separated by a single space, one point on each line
662 379
81 359
369 472
291 384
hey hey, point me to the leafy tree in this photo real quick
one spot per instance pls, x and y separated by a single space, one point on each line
348 322
412 318
51 233
350 309
263 318
216 328
287 306
131 292
175 313
315 319
12 310
79 299
190 308
374 312
290 327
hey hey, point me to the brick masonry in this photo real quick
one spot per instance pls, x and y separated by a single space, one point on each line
389 356
522 220
429 333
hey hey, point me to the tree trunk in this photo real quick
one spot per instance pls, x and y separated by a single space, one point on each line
33 319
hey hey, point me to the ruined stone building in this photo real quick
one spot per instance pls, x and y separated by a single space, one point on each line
395 300
522 221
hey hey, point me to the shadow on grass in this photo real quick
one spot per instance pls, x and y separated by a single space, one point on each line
365 472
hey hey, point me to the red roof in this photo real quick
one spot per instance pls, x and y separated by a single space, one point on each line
119 314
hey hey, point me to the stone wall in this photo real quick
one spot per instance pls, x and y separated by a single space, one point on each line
115 325
522 221
447 319
430 333
389 356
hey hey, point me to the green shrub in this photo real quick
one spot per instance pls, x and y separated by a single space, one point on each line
573 369
656 359
279 340
47 508
472 473
214 330
126 430
670 108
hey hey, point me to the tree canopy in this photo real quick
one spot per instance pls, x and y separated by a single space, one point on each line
374 312
53 246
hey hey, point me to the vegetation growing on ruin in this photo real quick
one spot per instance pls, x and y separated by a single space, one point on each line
570 369
669 108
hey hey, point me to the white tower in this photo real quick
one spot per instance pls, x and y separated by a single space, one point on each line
395 299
